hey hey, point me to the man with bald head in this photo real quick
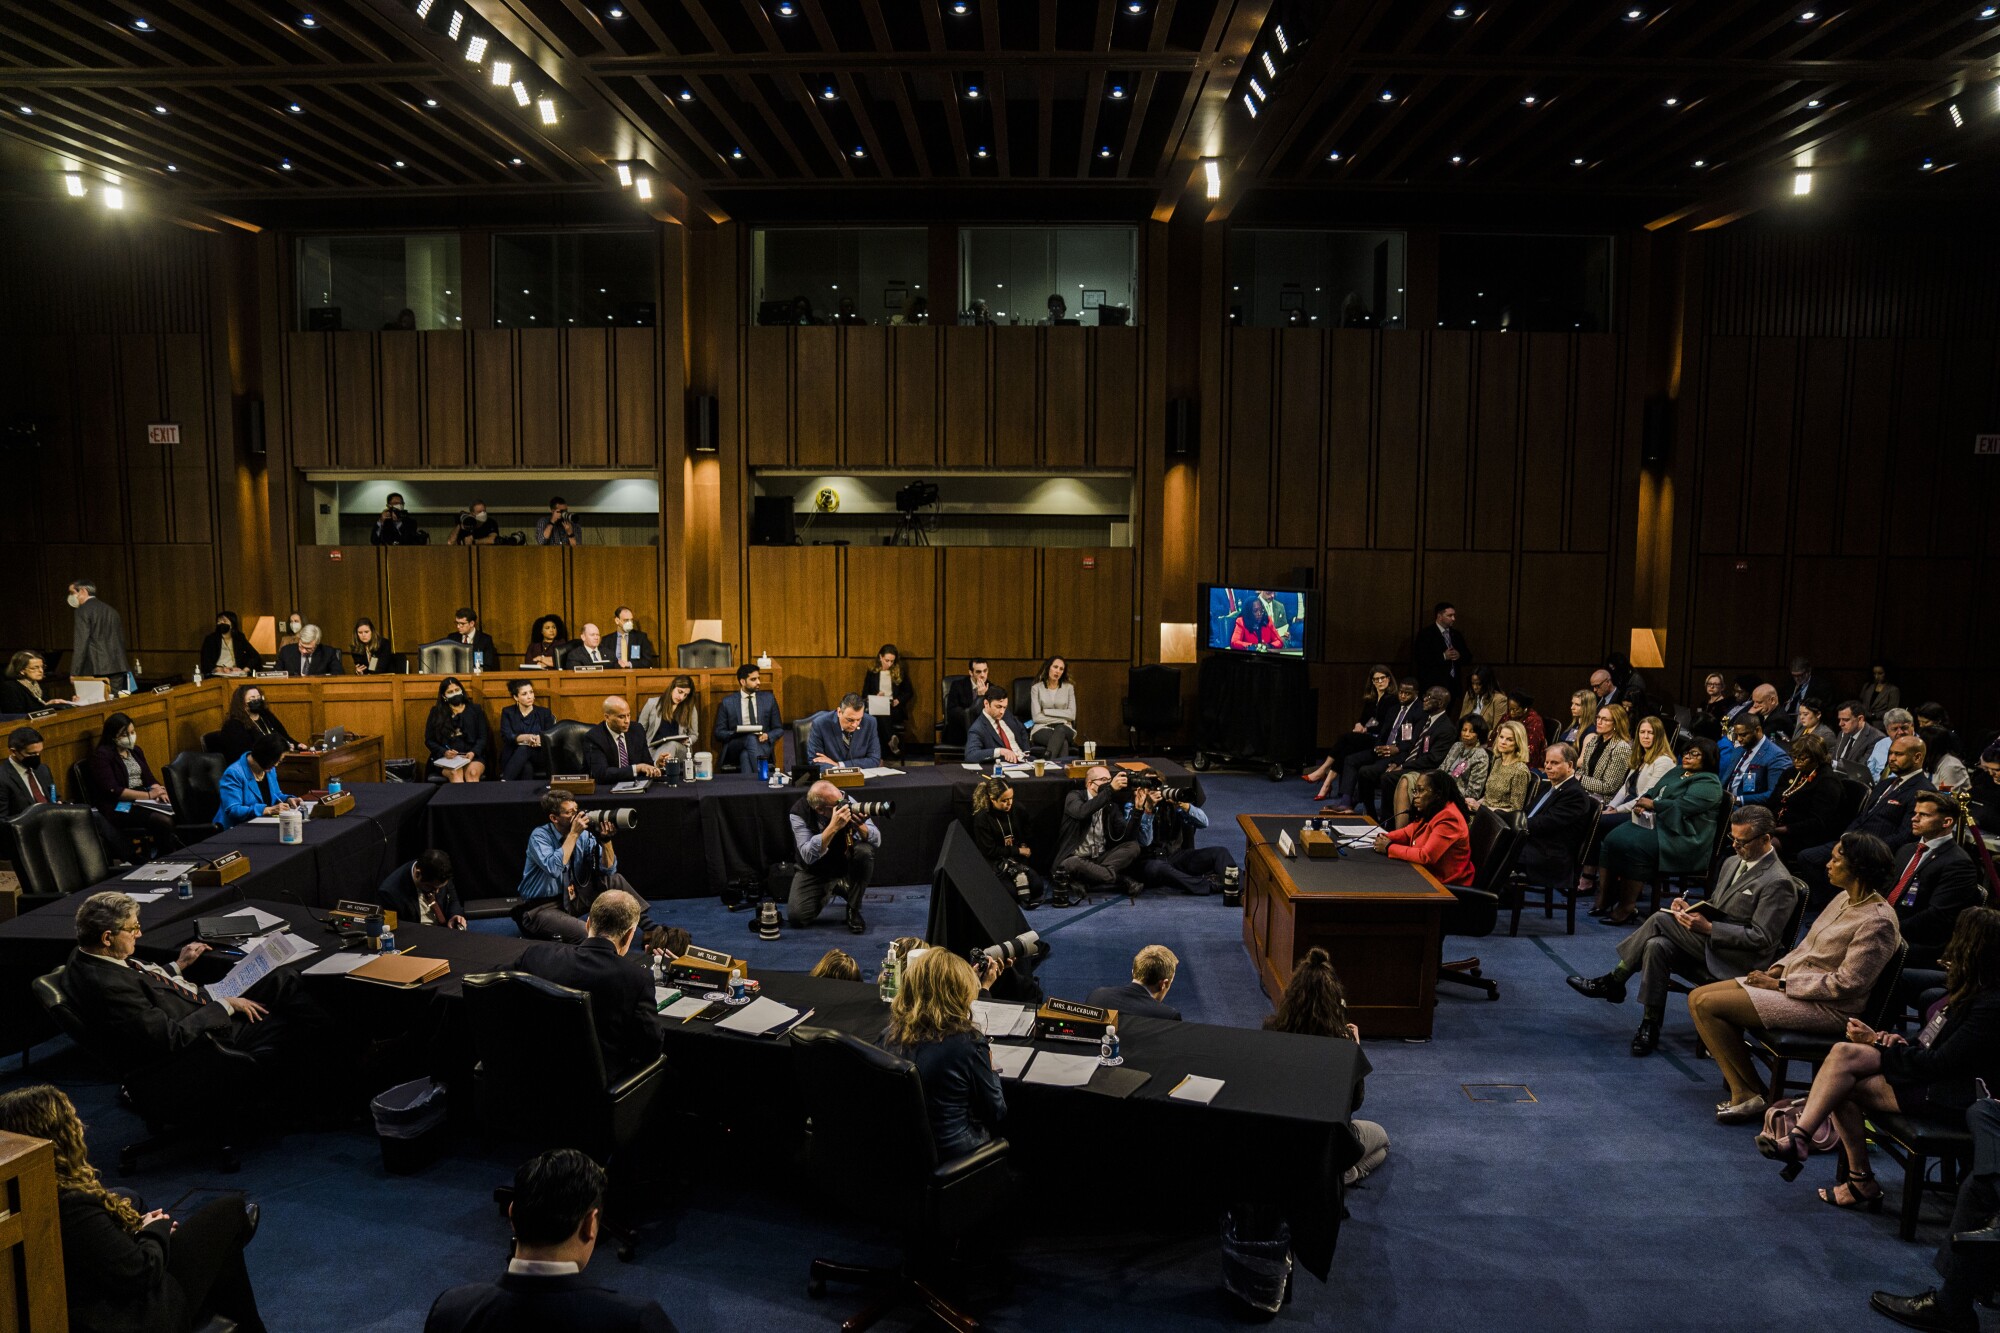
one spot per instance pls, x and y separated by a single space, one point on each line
588 650
836 855
605 968
1885 812
612 751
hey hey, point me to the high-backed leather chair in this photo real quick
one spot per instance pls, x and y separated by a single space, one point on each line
705 653
56 852
194 784
872 1138
950 747
1494 840
565 746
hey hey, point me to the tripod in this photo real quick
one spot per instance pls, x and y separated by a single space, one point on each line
910 530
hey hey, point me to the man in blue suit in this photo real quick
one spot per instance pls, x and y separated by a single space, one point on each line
845 737
747 722
557 1212
993 734
1753 766
250 785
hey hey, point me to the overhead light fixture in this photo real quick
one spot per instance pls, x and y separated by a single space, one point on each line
644 187
1250 105
503 73
624 170
1388 95
400 164
1957 117
475 50
25 109
1812 104
829 94
430 101
74 184
1456 160
1212 169
1104 150
1531 100
1672 102
1258 89
1802 183
686 94
1700 162
960 8
1135 7
521 94
1460 11
295 108
1634 14
615 12
859 151
172 167
141 25
1334 156
424 8
1117 92
979 151
284 164
1576 161
1925 165
114 197
1991 11
457 23
515 161
547 106
308 20
972 90
161 111
1278 34
736 154
1270 65
1808 15
786 9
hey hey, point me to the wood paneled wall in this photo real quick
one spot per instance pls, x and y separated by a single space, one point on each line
1407 468
491 398
873 396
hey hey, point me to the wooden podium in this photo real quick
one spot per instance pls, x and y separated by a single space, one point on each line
357 759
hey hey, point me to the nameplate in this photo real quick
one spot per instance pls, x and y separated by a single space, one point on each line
1318 845
1285 845
333 807
576 784
346 909
43 712
224 869
707 955
161 689
591 666
1066 1020
270 675
1075 1009
844 777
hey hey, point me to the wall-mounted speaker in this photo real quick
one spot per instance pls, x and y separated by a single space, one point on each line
1183 428
702 429
772 522
253 427
1656 447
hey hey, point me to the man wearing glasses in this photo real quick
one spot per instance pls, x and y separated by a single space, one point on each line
1738 929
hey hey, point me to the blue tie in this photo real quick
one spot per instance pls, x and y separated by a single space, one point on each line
1544 801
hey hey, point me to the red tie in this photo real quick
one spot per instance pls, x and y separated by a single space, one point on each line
186 990
1909 873
1006 737
41 797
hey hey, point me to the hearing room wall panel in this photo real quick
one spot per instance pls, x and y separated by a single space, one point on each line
353 399
1017 407
1252 365
188 465
98 425
1064 402
1296 444
641 429
1845 639
139 400
306 409
767 390
964 388
816 397
1485 580
1866 469
795 601
541 394
494 428
426 584
586 379
865 395
1774 390
1445 440
1724 412
1350 436
913 359
445 443
989 601
333 594
1115 396
1087 602
1593 497
1398 437
1371 597
173 597
1495 452
515 586
1545 432
602 577
1559 617
400 389
892 598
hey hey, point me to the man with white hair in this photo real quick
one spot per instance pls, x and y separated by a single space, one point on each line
309 657
1898 722
99 645
836 855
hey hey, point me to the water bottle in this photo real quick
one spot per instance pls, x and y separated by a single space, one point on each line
197 675
1107 1050
478 662
388 938
333 787
999 765
184 887
737 991
659 970
890 979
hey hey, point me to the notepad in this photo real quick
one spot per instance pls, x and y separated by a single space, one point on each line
1010 1061
872 773
684 1008
1061 1071
1195 1088
460 762
1002 1020
160 872
338 964
761 1015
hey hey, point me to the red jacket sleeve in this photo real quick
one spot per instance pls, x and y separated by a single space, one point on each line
1241 637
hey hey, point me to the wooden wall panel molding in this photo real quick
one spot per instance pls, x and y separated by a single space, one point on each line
866 396
1594 458
354 399
587 395
495 428
1398 437
1350 436
426 584
539 378
1547 413
139 397
1298 444
1117 395
1559 617
333 594
1065 416
1494 464
963 388
1087 603
796 596
1375 595
989 601
1253 365
892 598
641 403
816 406
307 412
767 397
514 586
602 577
174 598
913 359
400 389
1447 458
1016 397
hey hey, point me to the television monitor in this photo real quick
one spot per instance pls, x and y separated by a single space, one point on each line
1271 621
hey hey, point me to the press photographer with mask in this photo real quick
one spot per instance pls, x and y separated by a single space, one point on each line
475 527
1170 859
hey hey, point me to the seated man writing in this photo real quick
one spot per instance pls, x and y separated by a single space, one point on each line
845 737
250 785
421 891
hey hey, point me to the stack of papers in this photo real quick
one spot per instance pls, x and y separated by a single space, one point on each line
1195 1088
1002 1020
881 772
267 956
758 1017
1061 1071
338 964
684 1008
1010 1061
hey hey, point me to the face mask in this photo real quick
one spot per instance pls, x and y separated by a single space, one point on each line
625 625
254 705
128 742
71 599
454 698
297 624
479 516
222 627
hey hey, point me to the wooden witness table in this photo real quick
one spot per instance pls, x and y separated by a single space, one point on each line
357 759
1378 919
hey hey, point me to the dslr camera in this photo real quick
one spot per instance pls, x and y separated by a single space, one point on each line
869 809
1025 945
624 818
1147 781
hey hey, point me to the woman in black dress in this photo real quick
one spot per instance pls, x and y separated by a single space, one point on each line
456 730
249 717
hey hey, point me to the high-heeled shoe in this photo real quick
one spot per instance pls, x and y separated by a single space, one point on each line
1855 1179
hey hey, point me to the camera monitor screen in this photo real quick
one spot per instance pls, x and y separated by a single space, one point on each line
1257 620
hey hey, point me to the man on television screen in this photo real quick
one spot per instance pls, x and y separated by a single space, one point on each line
1279 618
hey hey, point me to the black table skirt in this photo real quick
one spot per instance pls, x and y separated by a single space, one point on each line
692 840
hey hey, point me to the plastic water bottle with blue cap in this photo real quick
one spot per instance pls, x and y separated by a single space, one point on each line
184 887
333 787
1107 1050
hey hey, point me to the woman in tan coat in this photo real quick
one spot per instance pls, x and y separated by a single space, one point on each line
1816 987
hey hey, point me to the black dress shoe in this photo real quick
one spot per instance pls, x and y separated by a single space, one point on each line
252 1215
1979 1242
854 922
1647 1039
1923 1311
1610 987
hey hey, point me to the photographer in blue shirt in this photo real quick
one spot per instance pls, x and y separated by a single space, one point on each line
569 863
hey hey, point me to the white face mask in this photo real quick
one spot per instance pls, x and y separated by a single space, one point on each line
626 624
128 742
297 624
479 516
71 599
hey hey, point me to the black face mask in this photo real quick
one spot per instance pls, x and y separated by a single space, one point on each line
454 698
224 627
254 705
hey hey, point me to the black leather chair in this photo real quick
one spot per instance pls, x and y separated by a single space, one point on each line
872 1138
1494 841
1021 707
1776 1050
705 653
194 784
564 742
540 1076
1518 889
56 852
207 1092
802 741
80 788
451 658
947 749
1152 703
1913 1140
211 743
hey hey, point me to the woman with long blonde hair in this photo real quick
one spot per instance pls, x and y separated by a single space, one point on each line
130 1270
1508 777
931 1026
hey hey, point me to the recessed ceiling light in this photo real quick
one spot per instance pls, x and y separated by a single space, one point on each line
1104 151
457 22
1278 33
308 20
624 170
1957 117
1802 183
960 8
1634 14
786 9
859 151
980 151
295 108
400 164
615 12
141 25
1270 65
172 167
736 154
1334 156
1117 92
1808 15
475 49
1700 162
1531 100
1672 102
424 8
1135 6
643 187
1258 89
114 197
547 107
430 101
687 94
1991 11
1388 95
1460 11
1576 161
515 161
1925 165
829 94
25 109
159 110
284 164
972 90
1456 160
1813 104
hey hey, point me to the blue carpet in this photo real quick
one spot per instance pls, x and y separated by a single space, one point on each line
1610 1199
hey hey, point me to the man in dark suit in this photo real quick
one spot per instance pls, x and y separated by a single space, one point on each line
589 650
421 891
25 782
963 699
1856 741
1433 744
1402 725
1885 812
465 630
747 724
557 1213
628 644
1556 822
612 751
993 734
309 657
1440 653
1740 929
1153 969
619 986
845 737
1425 740
1935 881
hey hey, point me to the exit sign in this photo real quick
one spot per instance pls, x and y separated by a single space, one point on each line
1986 444
164 432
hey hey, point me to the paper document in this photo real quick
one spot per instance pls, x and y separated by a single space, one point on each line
973 768
1009 1061
684 1008
1195 1088
1061 1071
265 957
460 762
265 920
338 964
881 772
878 705
160 872
152 896
758 1017
1019 770
1002 1020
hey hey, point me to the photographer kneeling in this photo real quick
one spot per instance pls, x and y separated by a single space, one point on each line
1104 828
1170 859
836 845
993 833
570 861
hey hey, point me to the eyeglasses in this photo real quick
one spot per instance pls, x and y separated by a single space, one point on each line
1735 841
132 929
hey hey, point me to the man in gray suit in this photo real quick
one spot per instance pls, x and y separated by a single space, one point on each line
1856 742
100 638
1740 928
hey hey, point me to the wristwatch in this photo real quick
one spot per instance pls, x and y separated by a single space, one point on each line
1781 984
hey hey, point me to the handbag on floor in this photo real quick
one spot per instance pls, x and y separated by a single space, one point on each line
1782 1118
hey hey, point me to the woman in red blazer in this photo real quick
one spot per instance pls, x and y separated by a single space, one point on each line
1438 839
1254 629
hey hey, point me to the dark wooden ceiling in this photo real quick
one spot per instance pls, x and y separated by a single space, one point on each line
1701 108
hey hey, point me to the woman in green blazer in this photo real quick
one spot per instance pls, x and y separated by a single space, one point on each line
1685 805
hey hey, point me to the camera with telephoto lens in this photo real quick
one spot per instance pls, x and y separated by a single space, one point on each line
1148 781
869 809
625 818
1025 945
